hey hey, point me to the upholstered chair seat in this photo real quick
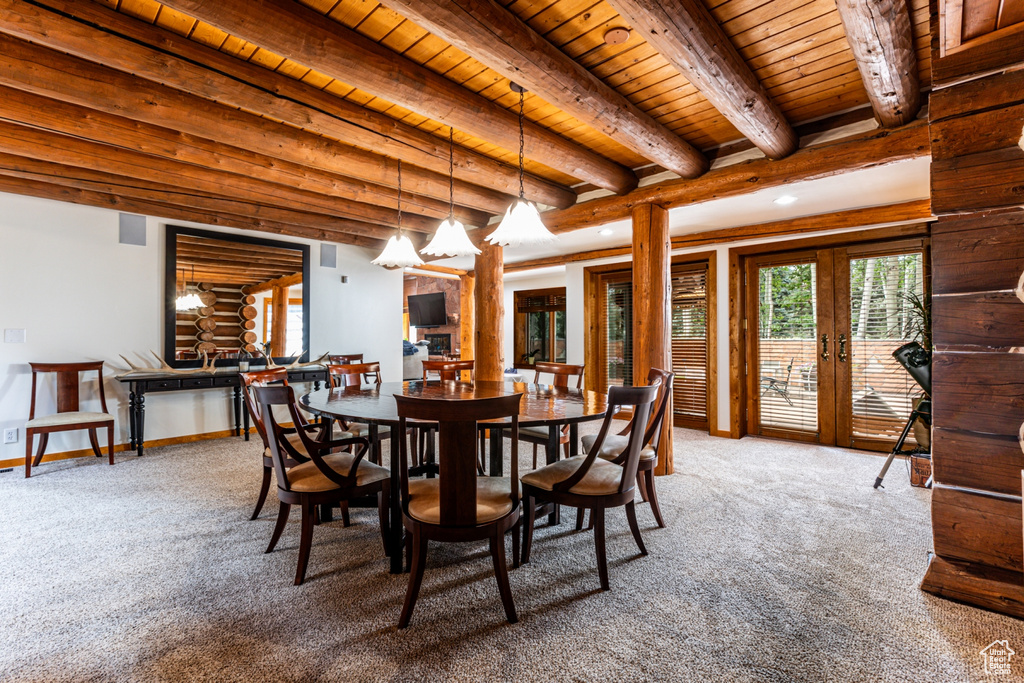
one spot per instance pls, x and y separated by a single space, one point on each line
493 500
75 418
613 446
602 479
307 478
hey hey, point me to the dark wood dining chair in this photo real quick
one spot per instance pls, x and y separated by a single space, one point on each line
590 482
355 375
615 444
325 477
68 416
561 374
264 378
448 370
345 358
459 506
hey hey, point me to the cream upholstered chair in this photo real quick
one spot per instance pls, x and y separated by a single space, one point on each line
615 444
587 481
459 506
68 416
321 477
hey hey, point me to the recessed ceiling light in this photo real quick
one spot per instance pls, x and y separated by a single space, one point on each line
785 199
606 232
616 36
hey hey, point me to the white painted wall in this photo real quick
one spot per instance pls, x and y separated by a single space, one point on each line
82 296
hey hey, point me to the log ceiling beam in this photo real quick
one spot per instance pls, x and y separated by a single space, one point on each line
53 74
882 40
283 282
90 31
339 52
56 174
62 149
888 214
494 36
48 114
685 33
853 153
102 200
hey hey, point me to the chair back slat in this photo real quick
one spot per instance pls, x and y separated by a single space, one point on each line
353 374
457 437
656 424
447 370
561 372
267 397
68 384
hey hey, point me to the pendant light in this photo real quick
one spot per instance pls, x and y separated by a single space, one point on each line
189 300
399 251
451 238
521 225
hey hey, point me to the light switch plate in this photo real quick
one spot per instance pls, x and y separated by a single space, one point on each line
14 336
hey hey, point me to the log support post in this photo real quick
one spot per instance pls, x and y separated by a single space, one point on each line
652 322
467 319
279 321
490 313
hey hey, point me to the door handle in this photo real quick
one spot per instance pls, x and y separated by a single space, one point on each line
842 348
824 347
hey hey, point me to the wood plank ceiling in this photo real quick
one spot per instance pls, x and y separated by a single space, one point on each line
286 172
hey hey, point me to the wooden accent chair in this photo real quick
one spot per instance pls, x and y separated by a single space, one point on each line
458 506
587 481
562 373
264 378
448 370
322 478
615 444
68 416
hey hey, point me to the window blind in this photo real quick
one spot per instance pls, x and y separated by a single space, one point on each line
689 344
616 339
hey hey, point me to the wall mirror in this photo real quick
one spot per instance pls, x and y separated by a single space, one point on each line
234 296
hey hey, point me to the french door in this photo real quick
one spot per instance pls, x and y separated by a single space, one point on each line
821 326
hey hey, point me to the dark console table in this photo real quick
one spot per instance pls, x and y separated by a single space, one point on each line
140 384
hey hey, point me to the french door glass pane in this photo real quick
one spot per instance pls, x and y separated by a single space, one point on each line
787 351
619 339
559 336
538 335
885 313
689 343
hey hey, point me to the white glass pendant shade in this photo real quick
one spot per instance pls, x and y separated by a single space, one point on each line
398 253
188 302
450 240
521 227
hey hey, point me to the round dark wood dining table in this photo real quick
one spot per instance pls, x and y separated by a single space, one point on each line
543 405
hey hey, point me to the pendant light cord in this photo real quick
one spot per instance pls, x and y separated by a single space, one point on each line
451 175
521 142
399 197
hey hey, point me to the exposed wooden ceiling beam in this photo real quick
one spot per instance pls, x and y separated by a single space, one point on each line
284 281
62 149
53 74
441 269
164 57
89 124
888 214
882 40
686 34
491 34
339 52
102 200
125 187
866 150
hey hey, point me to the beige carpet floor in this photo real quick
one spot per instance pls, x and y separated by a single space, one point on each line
779 563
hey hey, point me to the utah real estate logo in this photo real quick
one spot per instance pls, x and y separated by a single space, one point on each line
997 658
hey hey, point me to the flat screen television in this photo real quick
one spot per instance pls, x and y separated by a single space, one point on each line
427 310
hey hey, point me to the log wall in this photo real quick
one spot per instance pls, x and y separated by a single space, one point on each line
976 122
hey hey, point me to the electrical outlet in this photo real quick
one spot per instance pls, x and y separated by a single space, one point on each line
11 435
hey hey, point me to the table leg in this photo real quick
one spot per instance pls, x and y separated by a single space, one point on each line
245 423
140 422
237 401
397 544
374 437
497 452
551 455
574 439
131 419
